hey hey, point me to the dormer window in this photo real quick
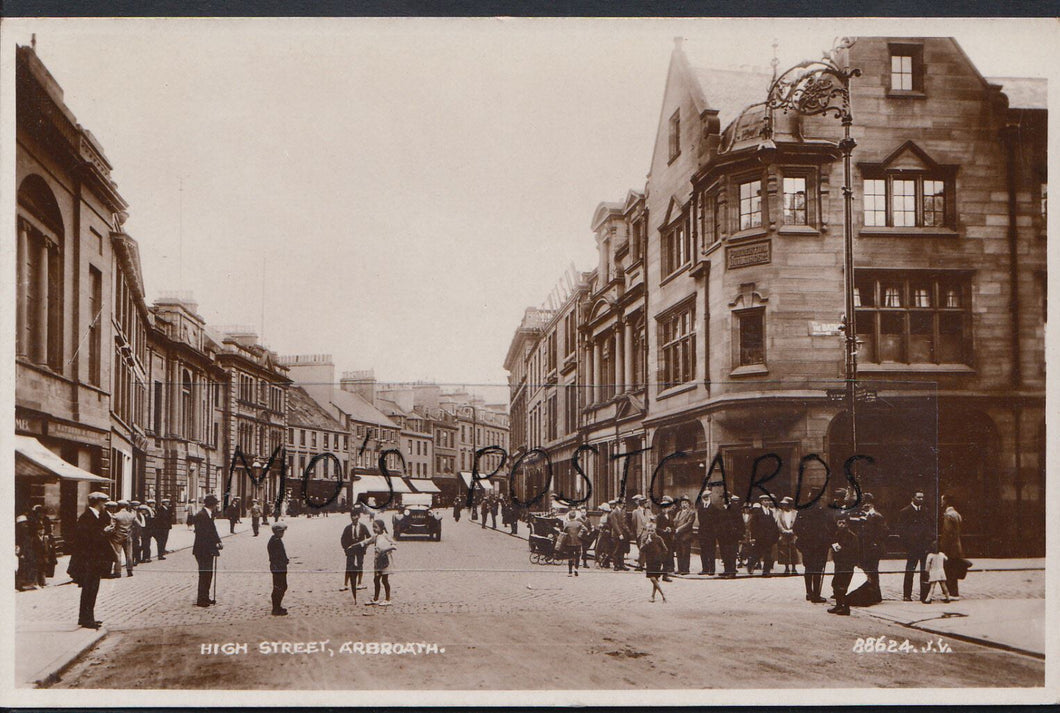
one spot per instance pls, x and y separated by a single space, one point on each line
908 190
902 72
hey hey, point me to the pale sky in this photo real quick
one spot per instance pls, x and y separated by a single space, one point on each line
411 185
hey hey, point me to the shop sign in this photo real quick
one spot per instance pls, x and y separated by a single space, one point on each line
73 432
27 424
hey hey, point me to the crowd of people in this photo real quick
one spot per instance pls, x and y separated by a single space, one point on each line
758 537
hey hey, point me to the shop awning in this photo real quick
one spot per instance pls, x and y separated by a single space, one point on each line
33 459
482 483
377 484
424 485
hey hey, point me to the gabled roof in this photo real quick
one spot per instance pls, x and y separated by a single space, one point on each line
1024 92
360 410
304 412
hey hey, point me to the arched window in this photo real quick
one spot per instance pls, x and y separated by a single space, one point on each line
40 274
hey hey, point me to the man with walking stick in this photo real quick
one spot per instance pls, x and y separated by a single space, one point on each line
206 548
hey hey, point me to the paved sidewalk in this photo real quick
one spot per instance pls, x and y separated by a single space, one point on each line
46 648
1013 623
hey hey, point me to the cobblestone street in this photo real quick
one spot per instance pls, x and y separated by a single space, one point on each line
476 595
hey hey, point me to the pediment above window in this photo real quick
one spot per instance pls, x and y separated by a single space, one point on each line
748 297
908 157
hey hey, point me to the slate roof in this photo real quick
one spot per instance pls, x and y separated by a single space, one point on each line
359 409
304 412
730 91
1024 92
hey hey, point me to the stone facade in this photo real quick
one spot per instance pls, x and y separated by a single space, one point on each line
744 291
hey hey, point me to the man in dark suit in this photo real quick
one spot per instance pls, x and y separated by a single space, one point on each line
161 524
278 566
92 557
709 516
765 533
917 532
873 538
845 556
730 530
619 523
206 547
813 538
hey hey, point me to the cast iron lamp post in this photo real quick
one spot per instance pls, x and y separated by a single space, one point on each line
823 87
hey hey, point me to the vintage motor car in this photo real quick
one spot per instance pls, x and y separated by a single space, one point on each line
417 518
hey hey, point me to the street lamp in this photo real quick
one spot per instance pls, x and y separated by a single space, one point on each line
823 87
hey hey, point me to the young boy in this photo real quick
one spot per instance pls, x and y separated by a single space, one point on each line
278 565
936 567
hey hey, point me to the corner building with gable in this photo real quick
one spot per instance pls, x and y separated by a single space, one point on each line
744 291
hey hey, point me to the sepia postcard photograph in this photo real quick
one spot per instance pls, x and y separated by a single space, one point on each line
526 361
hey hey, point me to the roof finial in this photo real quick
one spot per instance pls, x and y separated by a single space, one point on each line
775 62
33 41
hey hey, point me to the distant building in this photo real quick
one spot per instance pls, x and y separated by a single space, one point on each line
314 433
186 410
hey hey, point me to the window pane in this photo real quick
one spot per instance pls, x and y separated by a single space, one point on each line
951 338
750 204
892 295
902 72
795 201
892 334
921 338
866 333
921 294
934 203
752 339
875 202
864 291
903 202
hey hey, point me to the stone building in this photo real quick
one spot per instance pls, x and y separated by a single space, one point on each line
744 283
256 415
314 433
187 396
76 296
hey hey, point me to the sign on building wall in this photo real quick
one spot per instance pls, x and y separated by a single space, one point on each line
747 255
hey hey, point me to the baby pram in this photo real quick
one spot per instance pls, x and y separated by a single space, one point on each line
544 529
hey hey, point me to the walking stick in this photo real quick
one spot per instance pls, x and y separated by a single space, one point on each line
214 596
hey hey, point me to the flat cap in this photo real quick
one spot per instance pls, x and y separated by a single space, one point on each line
279 526
96 495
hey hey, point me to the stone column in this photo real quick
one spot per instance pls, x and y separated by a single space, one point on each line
597 380
627 337
42 305
22 318
621 383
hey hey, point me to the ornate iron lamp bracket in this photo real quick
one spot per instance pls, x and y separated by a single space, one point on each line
813 87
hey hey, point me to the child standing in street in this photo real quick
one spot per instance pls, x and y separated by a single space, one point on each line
278 565
936 567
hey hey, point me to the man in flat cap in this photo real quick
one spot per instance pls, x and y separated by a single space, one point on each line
206 547
121 530
278 566
91 557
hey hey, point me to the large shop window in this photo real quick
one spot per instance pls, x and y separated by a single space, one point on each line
908 200
677 351
912 317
